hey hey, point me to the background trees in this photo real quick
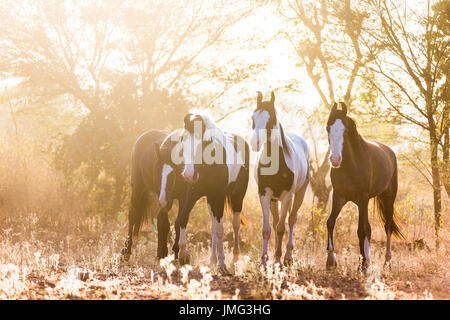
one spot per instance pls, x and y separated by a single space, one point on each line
83 80
411 60
124 67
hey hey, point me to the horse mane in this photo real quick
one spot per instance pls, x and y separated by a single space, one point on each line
283 140
206 117
354 135
210 125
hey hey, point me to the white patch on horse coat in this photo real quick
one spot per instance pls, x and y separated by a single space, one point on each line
336 136
366 249
233 157
297 160
166 170
182 242
190 146
265 204
260 118
330 244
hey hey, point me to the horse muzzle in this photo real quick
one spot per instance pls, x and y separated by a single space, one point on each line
335 161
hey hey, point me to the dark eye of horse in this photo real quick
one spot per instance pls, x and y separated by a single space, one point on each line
253 123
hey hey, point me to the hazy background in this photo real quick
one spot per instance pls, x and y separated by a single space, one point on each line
81 80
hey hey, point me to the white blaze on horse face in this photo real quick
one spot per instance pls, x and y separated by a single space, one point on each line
336 137
191 143
260 118
166 170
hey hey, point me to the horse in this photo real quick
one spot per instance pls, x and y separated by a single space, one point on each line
361 170
282 175
215 164
145 181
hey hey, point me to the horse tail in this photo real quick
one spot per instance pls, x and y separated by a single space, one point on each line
137 214
138 208
384 217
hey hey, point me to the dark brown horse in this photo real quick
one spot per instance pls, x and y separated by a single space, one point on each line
361 170
146 180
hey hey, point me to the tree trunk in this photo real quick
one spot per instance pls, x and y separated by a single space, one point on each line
445 159
436 183
318 186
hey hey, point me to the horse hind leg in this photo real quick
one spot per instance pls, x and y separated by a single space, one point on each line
281 227
337 204
163 225
298 200
135 215
386 207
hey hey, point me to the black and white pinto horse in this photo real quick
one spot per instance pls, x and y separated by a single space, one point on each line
216 165
360 170
282 175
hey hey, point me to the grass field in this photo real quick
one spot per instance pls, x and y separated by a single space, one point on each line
82 261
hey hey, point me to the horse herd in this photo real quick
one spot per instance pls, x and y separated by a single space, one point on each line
201 160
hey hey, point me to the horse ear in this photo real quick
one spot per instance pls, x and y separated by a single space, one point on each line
344 107
157 151
259 100
334 107
187 119
272 98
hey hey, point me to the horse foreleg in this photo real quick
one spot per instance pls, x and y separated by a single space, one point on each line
298 200
216 205
265 204
236 228
180 227
274 209
286 203
213 258
364 233
338 203
163 232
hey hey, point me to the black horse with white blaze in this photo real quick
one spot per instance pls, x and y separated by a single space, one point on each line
215 164
282 174
360 170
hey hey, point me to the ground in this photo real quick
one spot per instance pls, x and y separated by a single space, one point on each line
87 265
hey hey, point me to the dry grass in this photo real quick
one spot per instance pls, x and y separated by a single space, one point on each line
86 265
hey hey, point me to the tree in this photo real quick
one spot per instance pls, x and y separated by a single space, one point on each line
128 67
409 60
329 49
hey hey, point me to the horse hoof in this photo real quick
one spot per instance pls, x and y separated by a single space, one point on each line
125 254
162 253
277 260
264 260
184 258
364 267
388 265
288 261
331 261
223 270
